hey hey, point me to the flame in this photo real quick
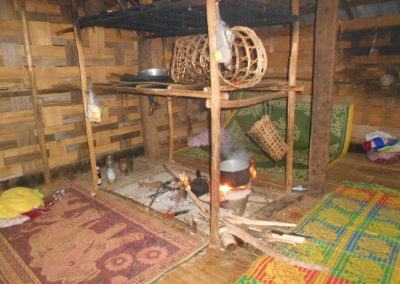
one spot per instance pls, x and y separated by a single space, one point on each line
253 172
223 191
185 181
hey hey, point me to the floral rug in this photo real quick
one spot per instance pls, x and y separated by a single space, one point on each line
87 239
243 119
355 232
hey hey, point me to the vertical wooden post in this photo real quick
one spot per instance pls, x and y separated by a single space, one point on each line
169 106
291 104
323 79
215 123
171 129
84 87
35 97
149 127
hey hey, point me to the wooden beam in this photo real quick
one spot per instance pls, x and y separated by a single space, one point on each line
149 127
35 97
323 79
171 129
372 23
291 104
215 122
227 104
347 9
84 91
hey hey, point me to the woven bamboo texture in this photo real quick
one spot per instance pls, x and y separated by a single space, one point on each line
107 51
267 138
191 60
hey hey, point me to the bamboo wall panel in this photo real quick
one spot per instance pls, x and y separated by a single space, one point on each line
108 52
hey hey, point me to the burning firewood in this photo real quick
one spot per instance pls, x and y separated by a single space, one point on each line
186 186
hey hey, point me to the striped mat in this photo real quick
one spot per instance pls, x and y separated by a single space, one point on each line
355 232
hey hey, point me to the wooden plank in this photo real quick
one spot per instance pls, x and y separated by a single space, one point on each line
171 130
324 68
84 88
215 122
228 104
277 205
291 105
372 23
35 98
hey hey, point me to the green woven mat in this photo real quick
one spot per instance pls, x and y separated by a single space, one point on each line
354 231
243 119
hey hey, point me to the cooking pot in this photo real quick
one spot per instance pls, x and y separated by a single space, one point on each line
235 172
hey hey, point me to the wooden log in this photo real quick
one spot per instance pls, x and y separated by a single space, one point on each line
227 239
227 104
262 246
323 79
35 97
84 91
277 205
291 104
149 127
251 222
215 122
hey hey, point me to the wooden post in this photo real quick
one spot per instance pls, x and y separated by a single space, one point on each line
169 106
171 129
215 123
291 103
84 87
323 79
149 127
35 97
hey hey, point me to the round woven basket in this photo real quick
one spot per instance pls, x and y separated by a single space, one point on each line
267 138
191 60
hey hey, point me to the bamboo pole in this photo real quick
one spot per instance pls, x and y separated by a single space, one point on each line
291 104
35 97
215 123
84 87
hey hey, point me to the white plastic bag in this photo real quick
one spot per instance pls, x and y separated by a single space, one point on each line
225 38
94 107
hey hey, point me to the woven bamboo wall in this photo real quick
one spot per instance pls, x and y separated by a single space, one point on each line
367 48
108 52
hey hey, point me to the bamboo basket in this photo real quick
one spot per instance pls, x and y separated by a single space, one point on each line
191 60
267 138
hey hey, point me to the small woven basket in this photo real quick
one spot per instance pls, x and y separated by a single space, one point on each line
267 138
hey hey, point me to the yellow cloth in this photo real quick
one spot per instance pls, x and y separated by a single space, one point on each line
18 200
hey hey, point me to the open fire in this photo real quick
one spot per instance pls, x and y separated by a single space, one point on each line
224 188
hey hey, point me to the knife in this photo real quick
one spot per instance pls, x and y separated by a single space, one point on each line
173 214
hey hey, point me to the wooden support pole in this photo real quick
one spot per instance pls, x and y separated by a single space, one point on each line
149 127
291 102
35 97
171 129
84 88
323 79
169 106
215 123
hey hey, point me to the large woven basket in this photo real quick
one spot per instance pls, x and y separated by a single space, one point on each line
191 60
267 138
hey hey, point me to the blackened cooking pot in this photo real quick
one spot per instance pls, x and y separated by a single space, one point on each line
235 172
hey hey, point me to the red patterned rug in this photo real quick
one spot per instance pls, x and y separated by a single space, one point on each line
87 239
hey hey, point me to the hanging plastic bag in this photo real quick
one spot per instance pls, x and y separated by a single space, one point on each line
94 107
225 38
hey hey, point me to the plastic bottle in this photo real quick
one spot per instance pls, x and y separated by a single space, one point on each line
110 170
99 180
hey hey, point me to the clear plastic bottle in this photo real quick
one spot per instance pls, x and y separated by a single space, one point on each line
99 180
110 170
